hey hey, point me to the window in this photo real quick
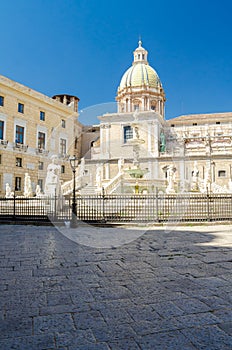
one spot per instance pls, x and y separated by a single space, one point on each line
128 133
218 122
62 169
221 173
76 143
153 108
172 125
63 123
19 162
42 116
1 101
1 129
19 135
63 146
20 108
0 159
41 165
194 124
41 140
18 183
40 183
136 107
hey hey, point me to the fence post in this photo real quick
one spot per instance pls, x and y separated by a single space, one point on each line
14 206
157 204
103 204
208 208
55 205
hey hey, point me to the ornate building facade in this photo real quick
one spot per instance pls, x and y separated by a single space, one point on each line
135 150
138 146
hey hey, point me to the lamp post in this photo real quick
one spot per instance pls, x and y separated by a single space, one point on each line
74 163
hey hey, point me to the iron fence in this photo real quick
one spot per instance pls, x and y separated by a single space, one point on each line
35 209
155 208
120 208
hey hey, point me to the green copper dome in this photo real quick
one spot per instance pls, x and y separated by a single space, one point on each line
138 75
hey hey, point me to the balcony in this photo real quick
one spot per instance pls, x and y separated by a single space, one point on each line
3 143
20 147
63 156
41 151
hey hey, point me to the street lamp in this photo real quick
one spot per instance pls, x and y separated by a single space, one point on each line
74 163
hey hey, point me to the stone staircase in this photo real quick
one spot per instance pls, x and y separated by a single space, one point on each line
89 190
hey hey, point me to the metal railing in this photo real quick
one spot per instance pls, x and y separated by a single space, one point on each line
155 208
34 209
120 208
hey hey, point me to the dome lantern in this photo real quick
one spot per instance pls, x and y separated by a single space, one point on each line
140 54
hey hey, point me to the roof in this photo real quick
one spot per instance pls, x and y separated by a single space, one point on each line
201 118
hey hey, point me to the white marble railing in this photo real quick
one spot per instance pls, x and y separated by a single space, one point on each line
113 183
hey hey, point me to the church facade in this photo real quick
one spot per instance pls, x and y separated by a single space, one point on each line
137 147
135 150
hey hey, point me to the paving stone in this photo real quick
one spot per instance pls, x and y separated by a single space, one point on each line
113 332
214 302
58 298
35 342
173 340
159 325
116 315
224 314
16 327
168 309
125 344
75 338
195 320
86 320
165 290
209 337
143 313
98 346
53 323
191 306
226 327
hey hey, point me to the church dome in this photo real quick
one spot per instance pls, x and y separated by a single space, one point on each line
140 74
140 87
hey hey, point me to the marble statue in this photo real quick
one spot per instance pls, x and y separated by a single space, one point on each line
52 182
98 176
170 178
230 185
38 191
9 193
207 180
27 186
120 165
195 185
162 142
81 169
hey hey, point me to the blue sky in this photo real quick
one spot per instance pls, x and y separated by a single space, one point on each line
83 48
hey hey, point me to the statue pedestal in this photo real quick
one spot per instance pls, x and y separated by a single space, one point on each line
51 190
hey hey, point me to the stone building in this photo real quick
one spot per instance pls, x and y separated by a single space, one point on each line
33 127
137 148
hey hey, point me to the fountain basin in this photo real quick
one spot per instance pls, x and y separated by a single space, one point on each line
136 173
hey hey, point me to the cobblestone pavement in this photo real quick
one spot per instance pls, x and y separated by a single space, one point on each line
165 290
